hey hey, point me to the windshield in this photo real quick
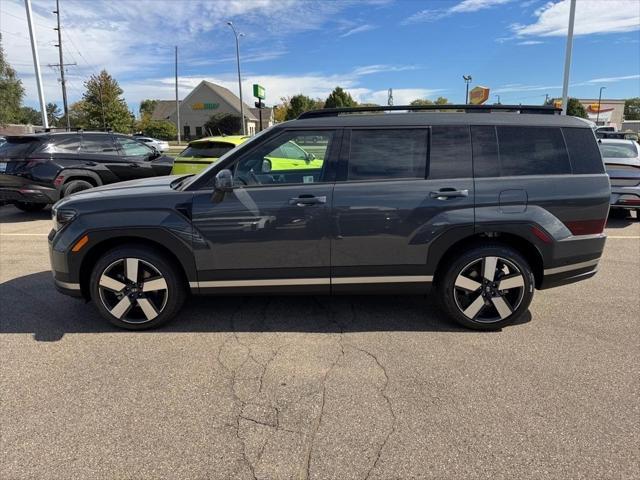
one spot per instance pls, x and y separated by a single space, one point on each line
207 149
618 150
242 146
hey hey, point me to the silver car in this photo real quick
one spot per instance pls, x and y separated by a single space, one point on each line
622 161
159 145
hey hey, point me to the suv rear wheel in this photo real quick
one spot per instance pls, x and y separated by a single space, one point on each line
75 186
487 287
136 288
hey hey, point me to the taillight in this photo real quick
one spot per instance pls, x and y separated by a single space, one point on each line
586 227
59 180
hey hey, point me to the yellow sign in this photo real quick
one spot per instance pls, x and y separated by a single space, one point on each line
204 106
478 95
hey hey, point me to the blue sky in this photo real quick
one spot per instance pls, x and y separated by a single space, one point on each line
421 49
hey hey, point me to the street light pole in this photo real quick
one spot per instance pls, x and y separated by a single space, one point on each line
467 79
238 35
567 58
599 102
36 64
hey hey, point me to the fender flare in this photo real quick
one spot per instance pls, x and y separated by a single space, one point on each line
78 174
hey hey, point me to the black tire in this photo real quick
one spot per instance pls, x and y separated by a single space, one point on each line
152 265
30 207
75 186
459 294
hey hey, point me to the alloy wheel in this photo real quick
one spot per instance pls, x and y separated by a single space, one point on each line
489 289
133 290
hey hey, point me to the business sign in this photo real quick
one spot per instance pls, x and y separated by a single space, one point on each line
258 91
204 106
478 95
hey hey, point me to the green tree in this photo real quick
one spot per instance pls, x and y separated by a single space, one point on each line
224 124
53 114
419 102
339 98
442 101
574 107
11 91
104 106
632 109
147 107
299 104
29 116
77 116
162 129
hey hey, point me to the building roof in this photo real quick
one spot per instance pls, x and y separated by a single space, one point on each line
163 109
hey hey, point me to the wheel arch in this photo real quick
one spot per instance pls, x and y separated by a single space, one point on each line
522 245
71 174
93 255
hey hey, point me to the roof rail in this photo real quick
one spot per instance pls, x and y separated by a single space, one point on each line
332 112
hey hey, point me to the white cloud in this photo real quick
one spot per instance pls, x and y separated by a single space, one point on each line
531 42
360 29
591 17
517 87
466 6
613 79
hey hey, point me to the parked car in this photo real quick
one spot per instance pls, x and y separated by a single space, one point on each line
484 207
200 153
39 169
159 145
622 161
617 135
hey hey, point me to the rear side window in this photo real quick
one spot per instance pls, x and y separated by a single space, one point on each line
99 144
15 148
387 154
64 145
532 151
583 150
450 152
486 162
207 149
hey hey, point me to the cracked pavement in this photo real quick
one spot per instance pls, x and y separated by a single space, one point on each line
315 387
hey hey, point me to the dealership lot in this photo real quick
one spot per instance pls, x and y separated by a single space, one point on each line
313 387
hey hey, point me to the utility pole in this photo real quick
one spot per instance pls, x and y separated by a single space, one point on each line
600 103
390 97
238 35
567 58
467 79
62 81
36 64
177 100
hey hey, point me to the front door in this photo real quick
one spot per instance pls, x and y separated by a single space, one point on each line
392 200
272 231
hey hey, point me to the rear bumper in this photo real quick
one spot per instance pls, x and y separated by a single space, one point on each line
575 259
625 197
29 194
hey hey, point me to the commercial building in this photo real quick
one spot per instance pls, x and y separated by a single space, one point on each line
205 100
606 113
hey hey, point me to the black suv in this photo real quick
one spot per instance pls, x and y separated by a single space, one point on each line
39 169
483 206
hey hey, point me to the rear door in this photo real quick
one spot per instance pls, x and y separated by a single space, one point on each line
272 231
399 189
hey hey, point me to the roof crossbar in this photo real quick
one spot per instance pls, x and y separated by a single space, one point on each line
332 112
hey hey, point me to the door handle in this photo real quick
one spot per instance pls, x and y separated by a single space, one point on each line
304 200
445 193
134 165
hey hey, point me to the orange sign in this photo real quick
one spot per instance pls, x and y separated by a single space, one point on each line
478 95
594 107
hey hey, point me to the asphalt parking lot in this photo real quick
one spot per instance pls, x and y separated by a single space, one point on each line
312 387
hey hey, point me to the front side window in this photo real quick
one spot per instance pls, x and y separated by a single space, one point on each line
132 148
380 154
289 158
98 144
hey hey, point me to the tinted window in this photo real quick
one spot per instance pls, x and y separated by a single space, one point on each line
288 158
532 151
486 161
450 152
207 149
16 148
583 150
60 144
133 148
102 144
389 153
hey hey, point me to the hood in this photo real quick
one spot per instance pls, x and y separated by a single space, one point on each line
125 190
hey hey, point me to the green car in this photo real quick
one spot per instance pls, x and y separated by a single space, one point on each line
205 151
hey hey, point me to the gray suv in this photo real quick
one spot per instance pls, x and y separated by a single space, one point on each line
484 205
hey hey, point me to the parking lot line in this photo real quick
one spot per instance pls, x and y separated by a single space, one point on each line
23 234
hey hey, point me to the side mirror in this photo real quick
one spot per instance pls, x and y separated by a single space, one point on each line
309 157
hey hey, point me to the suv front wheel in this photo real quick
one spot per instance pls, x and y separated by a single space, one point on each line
487 287
136 288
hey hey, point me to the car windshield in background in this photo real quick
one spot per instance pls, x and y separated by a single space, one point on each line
15 148
622 150
207 149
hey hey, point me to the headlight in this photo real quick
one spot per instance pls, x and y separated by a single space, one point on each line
62 216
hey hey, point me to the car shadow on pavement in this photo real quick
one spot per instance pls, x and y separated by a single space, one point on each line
620 221
30 304
10 214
